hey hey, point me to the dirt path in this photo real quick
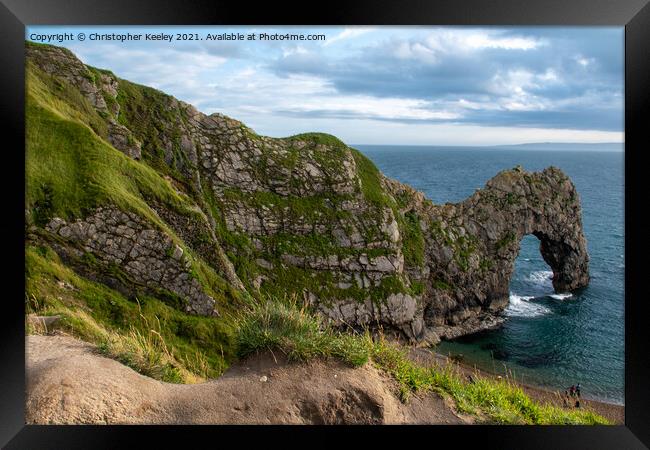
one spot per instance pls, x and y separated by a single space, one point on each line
615 413
68 382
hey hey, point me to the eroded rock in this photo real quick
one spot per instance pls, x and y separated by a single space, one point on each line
148 256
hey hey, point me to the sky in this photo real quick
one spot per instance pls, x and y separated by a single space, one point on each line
384 85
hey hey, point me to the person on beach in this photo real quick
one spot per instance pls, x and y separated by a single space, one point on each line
578 390
572 390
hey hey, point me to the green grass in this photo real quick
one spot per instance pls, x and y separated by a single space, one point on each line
314 244
318 138
149 114
491 401
412 240
464 247
144 332
442 285
71 171
508 238
289 328
370 178
57 95
409 223
291 280
316 208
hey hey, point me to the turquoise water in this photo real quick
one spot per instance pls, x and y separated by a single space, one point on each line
549 340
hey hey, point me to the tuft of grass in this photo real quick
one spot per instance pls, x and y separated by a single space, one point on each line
143 353
147 353
288 327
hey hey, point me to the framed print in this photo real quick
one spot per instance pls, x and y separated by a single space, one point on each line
373 217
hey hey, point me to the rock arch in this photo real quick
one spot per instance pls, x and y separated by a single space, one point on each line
472 247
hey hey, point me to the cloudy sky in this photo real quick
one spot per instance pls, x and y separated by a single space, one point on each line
388 85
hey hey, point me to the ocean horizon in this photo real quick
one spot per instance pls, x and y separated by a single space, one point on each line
612 147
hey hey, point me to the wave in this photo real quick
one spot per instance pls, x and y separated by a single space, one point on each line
543 278
520 306
561 296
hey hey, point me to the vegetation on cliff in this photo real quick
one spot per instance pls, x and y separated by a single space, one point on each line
143 332
286 326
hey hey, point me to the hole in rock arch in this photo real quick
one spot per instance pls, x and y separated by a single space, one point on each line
531 279
530 267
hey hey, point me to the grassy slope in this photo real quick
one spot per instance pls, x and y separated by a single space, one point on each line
287 327
70 171
147 112
66 158
144 333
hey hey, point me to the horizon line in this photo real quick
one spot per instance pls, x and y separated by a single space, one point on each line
622 144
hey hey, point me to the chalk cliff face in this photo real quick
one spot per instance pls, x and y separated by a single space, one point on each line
226 213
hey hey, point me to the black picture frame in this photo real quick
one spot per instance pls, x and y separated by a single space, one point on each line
634 15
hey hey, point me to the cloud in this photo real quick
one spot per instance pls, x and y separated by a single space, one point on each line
494 71
366 107
421 79
469 40
348 33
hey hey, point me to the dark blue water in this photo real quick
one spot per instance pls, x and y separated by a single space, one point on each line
549 340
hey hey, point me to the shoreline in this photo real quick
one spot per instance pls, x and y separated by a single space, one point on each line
612 411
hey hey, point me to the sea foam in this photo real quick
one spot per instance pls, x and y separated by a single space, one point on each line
521 306
543 278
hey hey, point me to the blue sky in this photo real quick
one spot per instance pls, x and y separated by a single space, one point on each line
388 85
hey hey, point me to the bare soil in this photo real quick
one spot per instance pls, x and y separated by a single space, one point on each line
69 382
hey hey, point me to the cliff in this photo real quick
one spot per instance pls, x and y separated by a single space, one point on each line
141 193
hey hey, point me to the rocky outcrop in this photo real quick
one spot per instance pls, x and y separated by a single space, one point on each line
471 246
99 88
148 256
309 216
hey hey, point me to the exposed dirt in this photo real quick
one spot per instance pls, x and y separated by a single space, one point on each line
68 382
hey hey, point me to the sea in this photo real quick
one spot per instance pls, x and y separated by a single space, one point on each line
549 340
